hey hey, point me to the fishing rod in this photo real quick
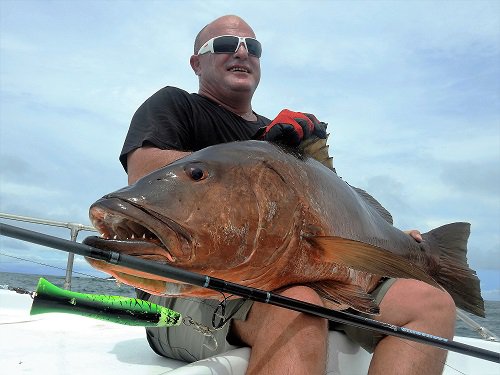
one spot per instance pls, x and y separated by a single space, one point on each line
253 294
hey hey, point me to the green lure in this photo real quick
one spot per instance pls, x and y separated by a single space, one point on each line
122 310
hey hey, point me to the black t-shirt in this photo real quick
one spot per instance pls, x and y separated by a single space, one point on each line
177 120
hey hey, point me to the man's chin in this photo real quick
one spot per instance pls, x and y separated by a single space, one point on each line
244 84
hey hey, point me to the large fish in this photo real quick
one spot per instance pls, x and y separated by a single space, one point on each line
263 216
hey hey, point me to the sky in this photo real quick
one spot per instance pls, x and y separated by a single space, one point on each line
410 90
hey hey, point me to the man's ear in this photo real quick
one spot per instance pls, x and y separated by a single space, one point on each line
195 64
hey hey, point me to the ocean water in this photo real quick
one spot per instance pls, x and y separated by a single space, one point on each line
95 285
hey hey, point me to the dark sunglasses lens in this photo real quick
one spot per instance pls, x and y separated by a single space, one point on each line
228 44
254 47
225 44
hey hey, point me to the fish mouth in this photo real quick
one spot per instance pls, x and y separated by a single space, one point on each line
133 230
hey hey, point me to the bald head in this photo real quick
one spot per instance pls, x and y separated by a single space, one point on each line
225 25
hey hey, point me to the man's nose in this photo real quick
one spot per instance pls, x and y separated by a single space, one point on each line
241 51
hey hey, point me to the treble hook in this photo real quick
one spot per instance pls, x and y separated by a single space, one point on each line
204 330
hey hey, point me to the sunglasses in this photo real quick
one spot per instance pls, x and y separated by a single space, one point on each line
230 44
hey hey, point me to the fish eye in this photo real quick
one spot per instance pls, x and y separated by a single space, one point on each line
196 173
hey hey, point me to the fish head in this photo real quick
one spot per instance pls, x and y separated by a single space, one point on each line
230 211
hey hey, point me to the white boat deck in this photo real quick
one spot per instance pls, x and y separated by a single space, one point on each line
53 344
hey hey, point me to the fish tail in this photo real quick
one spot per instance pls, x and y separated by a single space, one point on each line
449 243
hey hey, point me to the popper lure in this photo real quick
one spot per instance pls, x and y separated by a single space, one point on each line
49 298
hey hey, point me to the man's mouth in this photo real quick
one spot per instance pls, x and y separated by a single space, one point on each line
239 69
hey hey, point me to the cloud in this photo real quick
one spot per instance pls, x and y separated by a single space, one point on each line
491 295
409 89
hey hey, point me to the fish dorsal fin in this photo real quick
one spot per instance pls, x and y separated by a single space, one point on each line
317 148
375 204
367 258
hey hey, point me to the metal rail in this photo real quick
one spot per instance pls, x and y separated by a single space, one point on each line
484 332
75 228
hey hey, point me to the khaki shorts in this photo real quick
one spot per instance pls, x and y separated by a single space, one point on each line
366 338
185 343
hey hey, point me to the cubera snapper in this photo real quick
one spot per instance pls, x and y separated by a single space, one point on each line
263 216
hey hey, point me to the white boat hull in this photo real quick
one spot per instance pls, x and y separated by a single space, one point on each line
52 344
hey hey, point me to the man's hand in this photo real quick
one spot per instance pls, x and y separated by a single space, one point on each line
291 128
415 234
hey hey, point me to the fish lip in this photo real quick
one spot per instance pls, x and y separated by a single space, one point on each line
125 226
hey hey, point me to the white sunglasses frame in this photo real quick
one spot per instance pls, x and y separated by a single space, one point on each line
209 45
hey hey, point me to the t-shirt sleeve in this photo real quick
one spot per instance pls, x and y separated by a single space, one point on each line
162 121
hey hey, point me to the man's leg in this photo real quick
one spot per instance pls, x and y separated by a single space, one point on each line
421 307
285 341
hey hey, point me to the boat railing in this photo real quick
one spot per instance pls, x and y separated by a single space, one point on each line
476 327
75 228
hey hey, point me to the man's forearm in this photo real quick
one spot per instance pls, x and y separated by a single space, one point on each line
145 160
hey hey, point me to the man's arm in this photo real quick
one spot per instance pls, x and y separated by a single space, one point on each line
147 159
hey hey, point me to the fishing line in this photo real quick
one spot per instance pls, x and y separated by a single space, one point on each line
219 311
51 266
199 327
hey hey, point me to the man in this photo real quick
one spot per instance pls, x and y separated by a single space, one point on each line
173 123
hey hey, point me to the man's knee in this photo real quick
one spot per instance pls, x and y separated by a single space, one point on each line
437 300
410 301
306 294
446 304
268 319
303 293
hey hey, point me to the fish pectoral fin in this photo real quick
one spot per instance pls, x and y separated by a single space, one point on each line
367 258
340 296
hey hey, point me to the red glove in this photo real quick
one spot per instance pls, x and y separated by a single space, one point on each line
291 128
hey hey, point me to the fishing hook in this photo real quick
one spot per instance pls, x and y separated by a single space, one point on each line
204 330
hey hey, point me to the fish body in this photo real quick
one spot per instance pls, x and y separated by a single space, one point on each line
266 217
